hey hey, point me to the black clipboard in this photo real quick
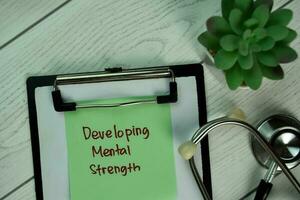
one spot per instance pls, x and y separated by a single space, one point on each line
195 70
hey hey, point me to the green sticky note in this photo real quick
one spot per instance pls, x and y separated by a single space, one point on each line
121 153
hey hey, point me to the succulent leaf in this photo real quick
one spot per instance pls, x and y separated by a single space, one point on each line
277 32
284 53
266 43
235 20
234 77
209 40
251 23
259 33
218 26
290 37
227 6
269 3
253 77
267 58
273 73
246 62
225 60
255 47
229 42
243 47
281 17
243 5
262 14
247 34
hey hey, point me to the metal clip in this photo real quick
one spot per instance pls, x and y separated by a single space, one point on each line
113 74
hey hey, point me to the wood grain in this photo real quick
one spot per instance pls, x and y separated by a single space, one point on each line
24 193
90 36
17 15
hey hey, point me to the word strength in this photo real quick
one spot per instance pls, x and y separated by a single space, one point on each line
122 170
115 132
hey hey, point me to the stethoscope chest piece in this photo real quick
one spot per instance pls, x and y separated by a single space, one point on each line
283 134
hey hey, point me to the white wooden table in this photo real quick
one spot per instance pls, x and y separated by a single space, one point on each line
39 37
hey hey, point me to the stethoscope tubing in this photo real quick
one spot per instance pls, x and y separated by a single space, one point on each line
207 128
199 182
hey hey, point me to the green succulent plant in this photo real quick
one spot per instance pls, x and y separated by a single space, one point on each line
250 41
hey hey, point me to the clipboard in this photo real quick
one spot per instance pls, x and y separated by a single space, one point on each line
45 91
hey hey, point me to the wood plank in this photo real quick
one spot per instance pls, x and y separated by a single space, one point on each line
14 161
17 15
25 193
90 36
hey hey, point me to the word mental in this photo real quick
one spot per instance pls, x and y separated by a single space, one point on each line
106 152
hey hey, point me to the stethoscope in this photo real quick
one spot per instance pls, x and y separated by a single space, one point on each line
275 145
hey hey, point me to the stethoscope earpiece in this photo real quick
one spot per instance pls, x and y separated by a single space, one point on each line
187 150
237 113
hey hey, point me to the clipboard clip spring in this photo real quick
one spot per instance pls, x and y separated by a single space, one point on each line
113 74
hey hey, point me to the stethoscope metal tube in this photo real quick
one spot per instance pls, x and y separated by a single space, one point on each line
203 131
199 182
